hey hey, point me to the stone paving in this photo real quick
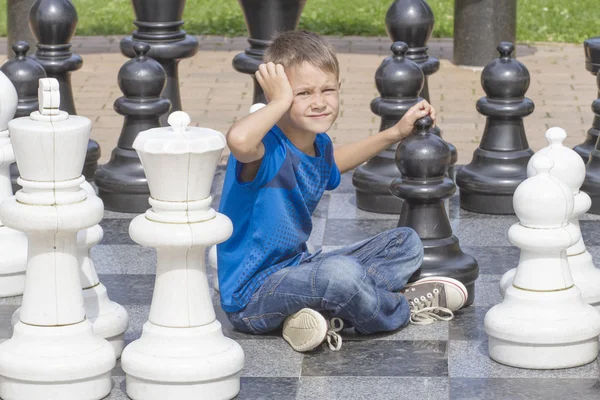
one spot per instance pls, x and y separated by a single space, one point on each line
214 94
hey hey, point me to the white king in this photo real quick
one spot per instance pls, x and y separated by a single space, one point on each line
54 352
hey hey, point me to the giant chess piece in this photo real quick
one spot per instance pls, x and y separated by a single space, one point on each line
569 169
24 73
53 352
13 244
53 23
122 183
399 82
264 18
159 24
592 64
543 323
182 353
499 165
423 159
411 22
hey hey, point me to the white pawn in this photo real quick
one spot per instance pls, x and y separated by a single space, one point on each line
212 252
13 244
543 323
53 353
182 353
570 169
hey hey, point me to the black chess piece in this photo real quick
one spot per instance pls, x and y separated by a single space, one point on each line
159 24
411 22
399 81
592 64
264 18
423 159
591 184
499 165
122 183
53 23
24 73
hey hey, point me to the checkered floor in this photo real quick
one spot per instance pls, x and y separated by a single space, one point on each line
439 361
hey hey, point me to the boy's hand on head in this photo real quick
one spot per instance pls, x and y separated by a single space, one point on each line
405 126
275 83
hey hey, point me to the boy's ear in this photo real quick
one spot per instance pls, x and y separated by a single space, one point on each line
340 84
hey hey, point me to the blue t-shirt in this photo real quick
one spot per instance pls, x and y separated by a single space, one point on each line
271 214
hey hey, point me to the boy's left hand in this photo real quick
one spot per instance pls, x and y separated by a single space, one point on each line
405 126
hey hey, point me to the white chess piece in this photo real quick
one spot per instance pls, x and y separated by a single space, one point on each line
53 352
212 252
570 169
108 318
182 353
13 244
543 323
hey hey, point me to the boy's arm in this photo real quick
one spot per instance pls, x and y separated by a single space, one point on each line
245 136
352 155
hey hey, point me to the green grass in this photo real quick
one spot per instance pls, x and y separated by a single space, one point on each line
538 20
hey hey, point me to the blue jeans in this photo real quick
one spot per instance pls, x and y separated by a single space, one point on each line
359 283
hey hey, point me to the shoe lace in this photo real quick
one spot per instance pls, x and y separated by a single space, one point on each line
426 309
333 337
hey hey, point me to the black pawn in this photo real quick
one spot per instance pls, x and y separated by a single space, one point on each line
591 184
122 183
264 18
159 23
24 73
499 165
399 81
423 159
412 21
592 64
53 24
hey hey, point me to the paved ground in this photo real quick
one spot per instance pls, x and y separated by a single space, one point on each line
214 94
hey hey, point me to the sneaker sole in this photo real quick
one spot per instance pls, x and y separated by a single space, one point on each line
450 281
300 339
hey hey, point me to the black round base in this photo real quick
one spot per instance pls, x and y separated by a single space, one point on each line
486 203
372 182
91 160
585 149
444 257
122 183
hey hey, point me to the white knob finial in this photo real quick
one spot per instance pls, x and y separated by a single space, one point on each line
556 135
179 121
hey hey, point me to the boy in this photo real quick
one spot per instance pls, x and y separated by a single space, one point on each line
281 163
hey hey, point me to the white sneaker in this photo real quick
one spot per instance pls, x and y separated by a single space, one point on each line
307 329
434 298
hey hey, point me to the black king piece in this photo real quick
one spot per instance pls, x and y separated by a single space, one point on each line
423 159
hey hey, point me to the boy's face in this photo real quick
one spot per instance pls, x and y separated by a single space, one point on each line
316 99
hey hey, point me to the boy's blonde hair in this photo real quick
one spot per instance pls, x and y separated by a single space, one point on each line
292 48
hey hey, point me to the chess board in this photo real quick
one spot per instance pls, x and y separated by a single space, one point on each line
445 360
